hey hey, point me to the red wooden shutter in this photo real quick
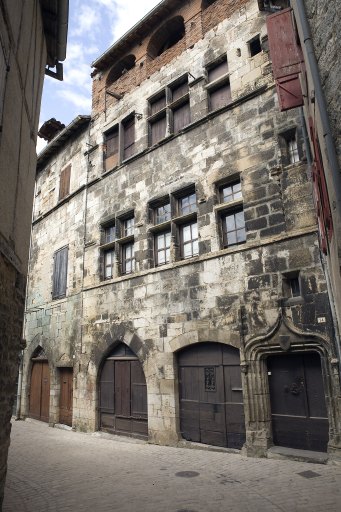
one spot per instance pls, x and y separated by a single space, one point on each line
111 151
64 185
287 59
321 197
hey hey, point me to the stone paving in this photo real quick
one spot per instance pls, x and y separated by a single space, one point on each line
58 470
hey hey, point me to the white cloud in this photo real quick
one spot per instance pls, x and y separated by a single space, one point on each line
129 12
77 99
88 21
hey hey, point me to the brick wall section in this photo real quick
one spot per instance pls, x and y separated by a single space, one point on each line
12 297
197 23
325 19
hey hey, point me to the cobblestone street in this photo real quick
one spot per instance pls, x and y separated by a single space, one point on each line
58 470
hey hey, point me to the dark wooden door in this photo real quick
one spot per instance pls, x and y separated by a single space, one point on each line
298 407
211 400
40 391
123 398
66 396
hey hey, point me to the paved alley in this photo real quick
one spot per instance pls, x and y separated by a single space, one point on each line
54 470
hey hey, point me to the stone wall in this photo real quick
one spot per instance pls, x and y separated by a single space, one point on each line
325 19
23 58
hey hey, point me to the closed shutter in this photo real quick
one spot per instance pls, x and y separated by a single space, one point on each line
220 97
287 58
181 117
179 91
111 152
60 273
158 130
64 185
157 105
129 138
218 70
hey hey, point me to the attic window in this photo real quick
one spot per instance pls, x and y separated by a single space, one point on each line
255 46
166 36
121 68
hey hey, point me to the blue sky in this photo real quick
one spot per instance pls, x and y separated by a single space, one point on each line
94 25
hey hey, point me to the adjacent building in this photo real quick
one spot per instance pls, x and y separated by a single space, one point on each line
33 41
176 291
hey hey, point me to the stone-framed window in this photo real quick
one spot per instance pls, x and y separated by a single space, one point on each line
291 150
218 84
64 182
291 287
117 246
169 110
59 278
119 143
230 213
254 46
174 231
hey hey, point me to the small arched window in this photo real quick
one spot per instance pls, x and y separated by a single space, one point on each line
206 3
166 36
121 68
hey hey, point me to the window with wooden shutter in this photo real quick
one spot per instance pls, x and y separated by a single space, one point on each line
287 58
111 149
60 273
64 184
181 117
158 130
218 87
128 138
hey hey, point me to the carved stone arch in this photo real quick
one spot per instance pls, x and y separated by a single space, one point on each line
120 68
39 343
166 36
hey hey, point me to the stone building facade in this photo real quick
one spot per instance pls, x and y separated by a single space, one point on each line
175 289
31 40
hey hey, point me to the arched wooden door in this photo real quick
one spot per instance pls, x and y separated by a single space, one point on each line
39 407
123 394
298 406
211 397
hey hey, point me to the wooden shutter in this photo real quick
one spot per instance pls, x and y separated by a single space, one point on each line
322 205
158 104
64 185
129 138
158 130
181 117
179 91
287 58
111 151
60 273
220 97
217 71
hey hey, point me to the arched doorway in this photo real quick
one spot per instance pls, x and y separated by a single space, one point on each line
39 399
298 406
211 397
123 394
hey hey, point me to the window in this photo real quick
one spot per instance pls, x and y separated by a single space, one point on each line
166 36
64 183
60 258
128 137
293 150
255 46
162 247
289 147
175 229
291 285
109 258
169 111
128 258
218 86
128 227
110 233
189 240
111 149
119 143
231 214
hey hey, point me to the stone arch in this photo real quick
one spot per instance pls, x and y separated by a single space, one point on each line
120 68
223 336
166 36
283 338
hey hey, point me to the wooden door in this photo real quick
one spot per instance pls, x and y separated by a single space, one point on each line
298 407
39 406
66 396
211 401
123 397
